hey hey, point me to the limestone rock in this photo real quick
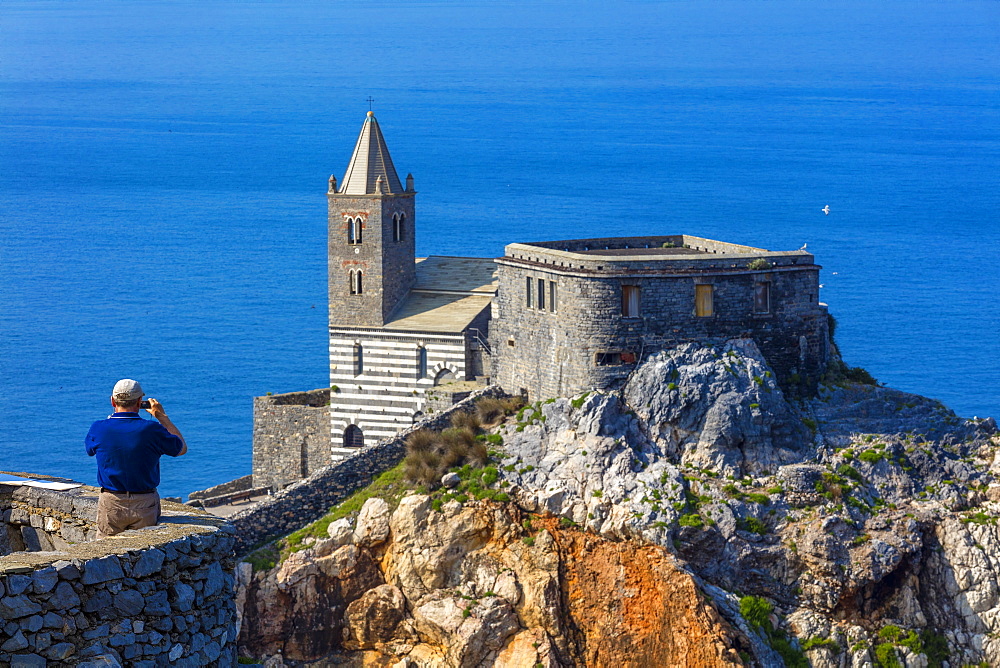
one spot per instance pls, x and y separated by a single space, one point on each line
373 523
340 531
373 618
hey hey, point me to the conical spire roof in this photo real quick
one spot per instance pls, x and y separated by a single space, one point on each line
370 161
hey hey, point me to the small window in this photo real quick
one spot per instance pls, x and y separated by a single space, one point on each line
357 278
402 227
762 297
527 294
703 306
353 437
395 227
354 278
630 301
354 231
359 359
422 362
609 359
541 294
552 296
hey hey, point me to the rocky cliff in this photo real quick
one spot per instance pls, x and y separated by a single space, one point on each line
696 517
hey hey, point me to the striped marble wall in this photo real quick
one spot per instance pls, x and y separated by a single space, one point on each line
381 379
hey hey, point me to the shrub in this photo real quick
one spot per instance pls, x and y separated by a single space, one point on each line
871 456
691 520
886 656
856 374
753 525
758 264
463 420
490 411
936 648
756 611
576 403
849 471
827 643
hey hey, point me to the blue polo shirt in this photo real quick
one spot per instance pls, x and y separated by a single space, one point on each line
128 450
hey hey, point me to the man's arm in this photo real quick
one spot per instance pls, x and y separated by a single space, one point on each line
156 410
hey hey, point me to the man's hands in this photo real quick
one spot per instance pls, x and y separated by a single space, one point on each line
156 409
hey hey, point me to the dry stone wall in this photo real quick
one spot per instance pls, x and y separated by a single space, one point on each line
160 596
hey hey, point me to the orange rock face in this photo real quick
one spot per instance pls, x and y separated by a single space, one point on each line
628 605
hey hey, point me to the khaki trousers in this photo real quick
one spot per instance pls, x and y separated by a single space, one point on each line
120 511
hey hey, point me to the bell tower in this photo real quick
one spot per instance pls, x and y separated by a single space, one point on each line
370 238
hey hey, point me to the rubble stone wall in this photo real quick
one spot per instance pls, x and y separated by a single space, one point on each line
160 596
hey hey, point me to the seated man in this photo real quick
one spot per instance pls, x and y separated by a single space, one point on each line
128 450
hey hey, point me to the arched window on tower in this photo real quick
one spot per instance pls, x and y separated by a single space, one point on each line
396 227
351 282
359 359
353 437
350 230
402 226
357 230
358 287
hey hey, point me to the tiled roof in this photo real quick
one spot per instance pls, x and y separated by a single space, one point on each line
370 160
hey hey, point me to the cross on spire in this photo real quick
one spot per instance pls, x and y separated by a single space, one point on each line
370 101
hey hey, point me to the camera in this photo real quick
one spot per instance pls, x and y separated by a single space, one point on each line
144 403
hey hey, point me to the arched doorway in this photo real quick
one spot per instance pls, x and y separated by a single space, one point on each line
353 438
444 376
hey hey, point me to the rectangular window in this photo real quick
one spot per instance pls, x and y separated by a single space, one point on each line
359 360
762 297
630 301
529 283
552 296
703 301
614 359
609 359
541 294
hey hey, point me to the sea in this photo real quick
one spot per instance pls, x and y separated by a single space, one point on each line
163 169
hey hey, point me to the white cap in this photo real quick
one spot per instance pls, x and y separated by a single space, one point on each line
126 391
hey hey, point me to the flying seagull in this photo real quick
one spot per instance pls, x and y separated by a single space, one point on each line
826 209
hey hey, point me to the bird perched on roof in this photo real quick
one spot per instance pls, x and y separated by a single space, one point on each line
803 247
826 209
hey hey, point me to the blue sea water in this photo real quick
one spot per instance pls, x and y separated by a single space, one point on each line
163 168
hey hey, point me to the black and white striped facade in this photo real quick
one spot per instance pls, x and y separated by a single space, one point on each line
384 391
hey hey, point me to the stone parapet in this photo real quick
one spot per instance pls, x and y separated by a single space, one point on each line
158 596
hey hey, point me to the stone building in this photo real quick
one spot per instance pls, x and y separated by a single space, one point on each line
574 315
547 319
399 325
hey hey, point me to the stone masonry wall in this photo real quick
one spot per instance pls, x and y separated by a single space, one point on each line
387 265
553 354
160 596
308 500
291 436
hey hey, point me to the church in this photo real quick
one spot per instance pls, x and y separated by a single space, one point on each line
409 335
